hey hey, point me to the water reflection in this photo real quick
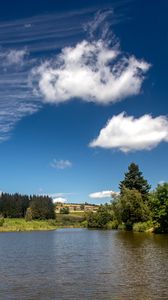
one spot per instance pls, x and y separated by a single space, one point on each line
83 264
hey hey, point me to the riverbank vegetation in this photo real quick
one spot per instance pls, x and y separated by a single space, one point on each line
61 221
26 213
135 208
20 224
28 207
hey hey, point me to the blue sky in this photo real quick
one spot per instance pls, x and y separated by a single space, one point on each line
83 92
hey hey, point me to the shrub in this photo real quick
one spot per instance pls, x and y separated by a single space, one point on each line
159 207
52 222
28 215
64 210
122 226
84 224
130 208
1 220
101 218
112 225
142 226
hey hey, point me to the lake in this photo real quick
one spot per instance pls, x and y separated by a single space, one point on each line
83 264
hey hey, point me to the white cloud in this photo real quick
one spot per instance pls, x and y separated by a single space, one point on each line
60 200
13 57
91 71
103 194
128 133
58 195
60 164
161 182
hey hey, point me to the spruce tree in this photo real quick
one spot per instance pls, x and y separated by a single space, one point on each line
134 180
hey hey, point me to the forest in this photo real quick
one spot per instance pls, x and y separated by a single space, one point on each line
28 207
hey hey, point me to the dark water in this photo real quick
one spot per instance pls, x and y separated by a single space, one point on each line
83 264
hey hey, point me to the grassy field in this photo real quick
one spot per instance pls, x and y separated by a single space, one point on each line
62 220
14 224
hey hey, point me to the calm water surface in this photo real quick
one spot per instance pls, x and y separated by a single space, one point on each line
83 264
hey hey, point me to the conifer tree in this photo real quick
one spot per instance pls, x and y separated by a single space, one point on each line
134 180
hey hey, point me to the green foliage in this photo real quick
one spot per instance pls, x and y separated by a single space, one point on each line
112 224
143 226
64 210
28 215
42 207
134 180
100 218
13 206
159 207
23 206
20 224
71 219
1 220
82 206
84 224
122 226
130 208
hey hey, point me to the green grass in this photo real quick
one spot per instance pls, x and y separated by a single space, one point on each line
76 220
19 224
77 213
70 220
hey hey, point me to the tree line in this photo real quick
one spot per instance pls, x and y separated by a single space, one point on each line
136 207
28 207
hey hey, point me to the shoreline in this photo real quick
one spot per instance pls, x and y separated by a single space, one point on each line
21 225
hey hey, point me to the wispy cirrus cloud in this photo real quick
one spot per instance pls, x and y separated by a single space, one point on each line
16 97
91 67
127 133
61 164
46 32
20 40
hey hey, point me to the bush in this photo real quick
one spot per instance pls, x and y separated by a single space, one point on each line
52 222
112 225
1 220
130 208
142 226
28 215
122 226
159 207
101 218
84 224
64 210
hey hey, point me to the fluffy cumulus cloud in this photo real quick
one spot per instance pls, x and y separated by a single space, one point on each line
60 164
91 71
103 194
129 134
60 200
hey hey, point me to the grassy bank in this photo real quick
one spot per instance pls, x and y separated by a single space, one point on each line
62 220
19 224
